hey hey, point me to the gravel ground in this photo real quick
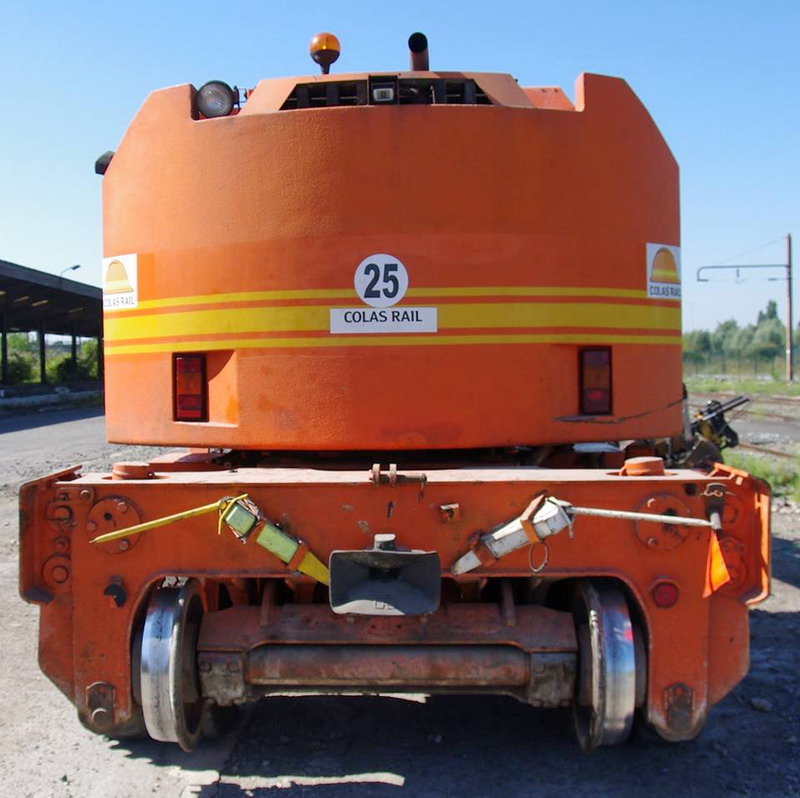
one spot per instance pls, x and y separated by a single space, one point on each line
375 746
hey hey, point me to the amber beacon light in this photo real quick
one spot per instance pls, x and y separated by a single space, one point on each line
324 49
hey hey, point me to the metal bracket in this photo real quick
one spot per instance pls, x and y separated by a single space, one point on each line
714 495
378 477
552 679
679 703
222 677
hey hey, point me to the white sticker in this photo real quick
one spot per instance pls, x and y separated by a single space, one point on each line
381 280
384 320
120 282
663 271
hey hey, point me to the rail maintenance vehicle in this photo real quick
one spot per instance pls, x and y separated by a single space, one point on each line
415 338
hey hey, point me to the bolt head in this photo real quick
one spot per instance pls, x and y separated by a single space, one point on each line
101 719
60 574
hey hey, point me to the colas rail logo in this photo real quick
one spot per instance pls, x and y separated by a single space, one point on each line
663 271
120 282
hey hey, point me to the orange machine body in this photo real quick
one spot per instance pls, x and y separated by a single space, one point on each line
414 285
523 228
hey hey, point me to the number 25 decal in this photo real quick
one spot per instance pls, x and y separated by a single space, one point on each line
390 282
381 280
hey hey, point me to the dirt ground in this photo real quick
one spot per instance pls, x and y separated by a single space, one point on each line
376 746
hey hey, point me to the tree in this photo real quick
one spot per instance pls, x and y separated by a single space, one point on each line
22 358
768 339
20 368
22 343
764 340
89 359
741 339
722 337
770 313
697 343
65 369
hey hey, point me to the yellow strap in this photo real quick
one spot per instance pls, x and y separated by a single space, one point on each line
308 563
311 566
219 506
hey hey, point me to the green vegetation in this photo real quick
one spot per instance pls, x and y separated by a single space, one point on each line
757 350
20 369
22 359
736 385
66 370
782 475
60 368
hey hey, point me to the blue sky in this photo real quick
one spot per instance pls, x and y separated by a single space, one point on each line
722 81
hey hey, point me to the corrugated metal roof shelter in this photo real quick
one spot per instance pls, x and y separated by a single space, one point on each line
31 300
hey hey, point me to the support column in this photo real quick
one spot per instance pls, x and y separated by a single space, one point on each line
3 350
789 320
42 372
100 358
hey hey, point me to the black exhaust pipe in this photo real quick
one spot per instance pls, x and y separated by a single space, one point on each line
418 44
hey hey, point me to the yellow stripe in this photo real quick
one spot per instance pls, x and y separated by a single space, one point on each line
349 293
461 316
388 340
494 290
252 296
560 314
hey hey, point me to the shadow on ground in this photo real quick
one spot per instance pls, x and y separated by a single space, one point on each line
487 746
457 746
14 422
786 560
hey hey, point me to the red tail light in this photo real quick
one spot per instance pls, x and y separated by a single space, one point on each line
665 595
189 381
595 378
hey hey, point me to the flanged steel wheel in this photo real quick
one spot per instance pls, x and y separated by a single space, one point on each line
172 703
606 694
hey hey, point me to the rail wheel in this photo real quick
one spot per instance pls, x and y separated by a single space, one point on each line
606 689
170 688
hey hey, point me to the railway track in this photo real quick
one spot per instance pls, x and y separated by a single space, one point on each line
754 447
